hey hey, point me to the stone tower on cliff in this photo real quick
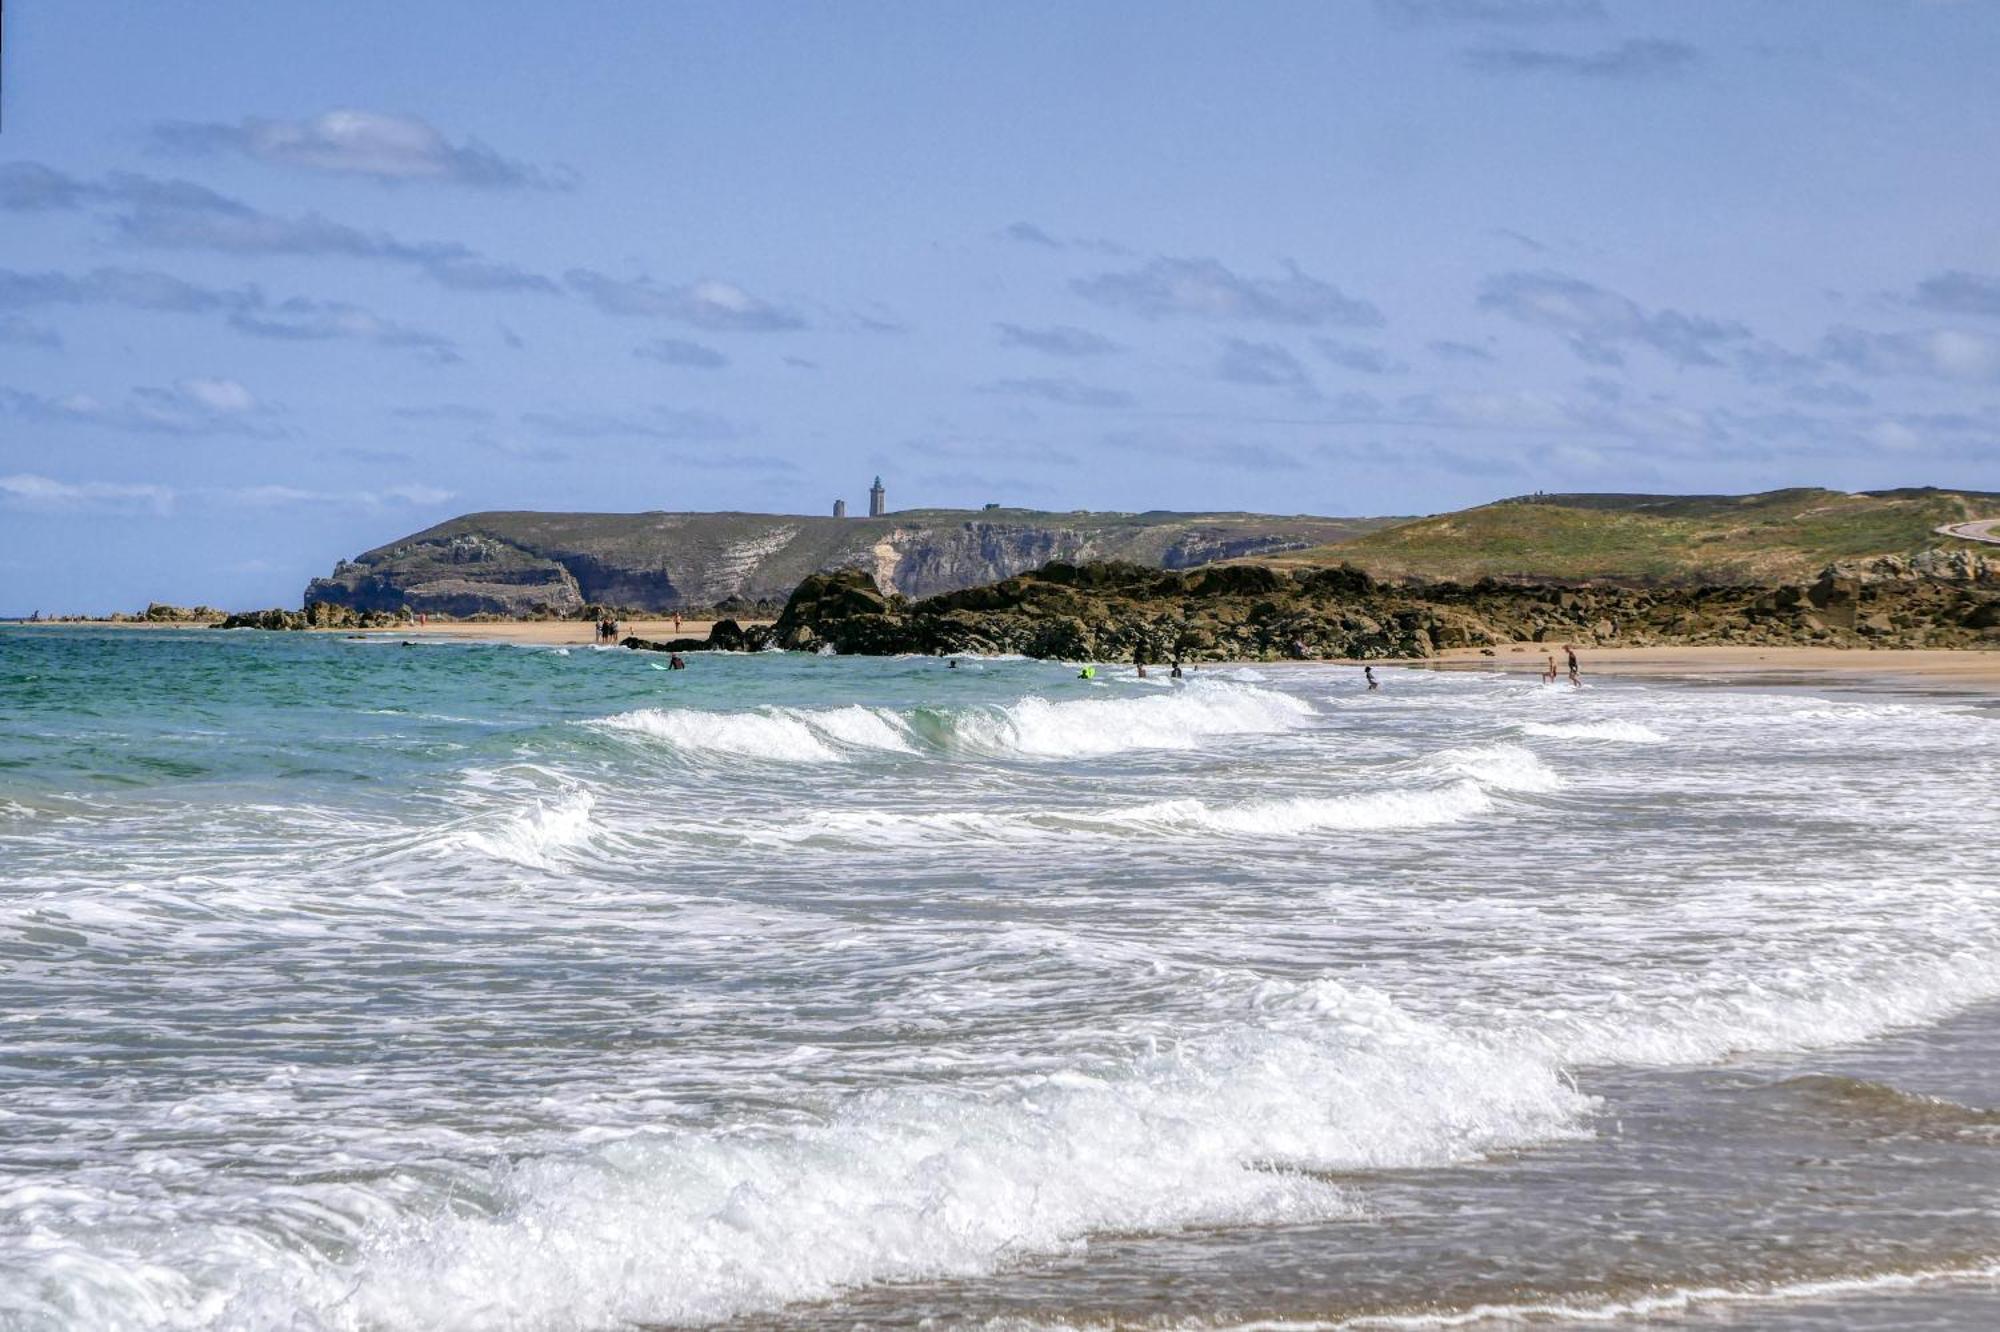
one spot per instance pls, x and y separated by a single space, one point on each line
878 499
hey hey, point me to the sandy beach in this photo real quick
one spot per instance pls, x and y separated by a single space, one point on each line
1972 669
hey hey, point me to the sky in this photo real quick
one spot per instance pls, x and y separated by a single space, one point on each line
283 282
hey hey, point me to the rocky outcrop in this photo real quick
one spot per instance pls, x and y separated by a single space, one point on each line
318 615
527 564
1121 611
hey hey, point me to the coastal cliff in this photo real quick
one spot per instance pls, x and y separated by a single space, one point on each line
519 564
1117 611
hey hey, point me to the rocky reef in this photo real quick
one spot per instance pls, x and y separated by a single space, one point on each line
1118 611
318 615
521 565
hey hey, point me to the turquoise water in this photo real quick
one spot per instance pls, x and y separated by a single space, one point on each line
352 985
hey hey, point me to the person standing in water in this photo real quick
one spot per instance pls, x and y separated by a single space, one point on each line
1369 673
1549 672
1575 668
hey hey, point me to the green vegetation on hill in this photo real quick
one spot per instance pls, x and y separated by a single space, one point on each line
1775 537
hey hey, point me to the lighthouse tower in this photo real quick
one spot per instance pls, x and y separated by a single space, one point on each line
878 502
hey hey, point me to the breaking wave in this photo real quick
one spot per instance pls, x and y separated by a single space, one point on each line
1036 727
788 735
686 1227
1180 719
531 837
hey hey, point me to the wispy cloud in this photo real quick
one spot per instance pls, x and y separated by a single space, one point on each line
674 351
1638 58
1027 233
1450 350
1057 340
42 494
150 212
382 147
1359 358
246 309
189 408
302 320
1069 392
1206 289
1262 363
667 423
443 411
1960 292
1490 13
1935 353
720 307
31 492
1599 324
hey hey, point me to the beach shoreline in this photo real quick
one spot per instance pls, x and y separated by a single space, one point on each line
1973 669
527 633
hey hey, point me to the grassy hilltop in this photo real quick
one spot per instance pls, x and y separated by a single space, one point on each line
1776 537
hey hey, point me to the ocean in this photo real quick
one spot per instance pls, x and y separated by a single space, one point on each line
353 985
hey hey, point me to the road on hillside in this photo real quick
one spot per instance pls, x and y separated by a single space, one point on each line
1986 529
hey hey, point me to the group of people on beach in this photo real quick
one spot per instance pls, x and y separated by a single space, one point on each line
607 630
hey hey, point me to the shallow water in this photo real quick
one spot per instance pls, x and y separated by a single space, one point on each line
348 985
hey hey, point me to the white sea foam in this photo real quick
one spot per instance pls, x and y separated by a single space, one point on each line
532 836
1507 767
907 1184
1182 719
1624 731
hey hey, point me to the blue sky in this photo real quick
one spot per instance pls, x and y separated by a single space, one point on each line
281 282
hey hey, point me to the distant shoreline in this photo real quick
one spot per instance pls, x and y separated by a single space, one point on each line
528 632
1972 669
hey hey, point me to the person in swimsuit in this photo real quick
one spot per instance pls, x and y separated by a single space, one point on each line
1369 673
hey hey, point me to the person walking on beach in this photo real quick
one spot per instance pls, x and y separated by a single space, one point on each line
677 622
1575 669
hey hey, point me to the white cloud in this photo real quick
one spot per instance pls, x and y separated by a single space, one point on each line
25 490
710 304
363 143
219 395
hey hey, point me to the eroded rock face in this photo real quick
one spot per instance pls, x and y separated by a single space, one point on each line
1121 612
510 563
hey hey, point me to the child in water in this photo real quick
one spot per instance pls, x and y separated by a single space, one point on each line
1369 672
